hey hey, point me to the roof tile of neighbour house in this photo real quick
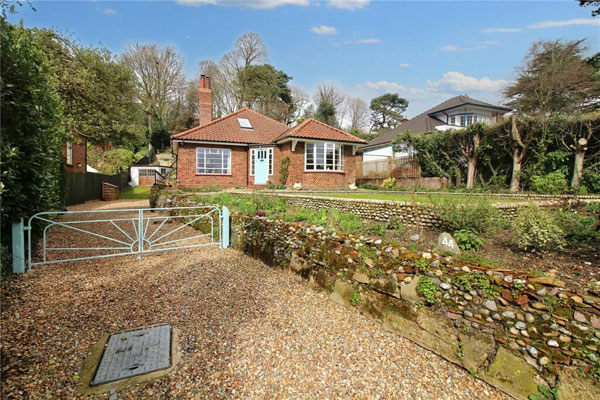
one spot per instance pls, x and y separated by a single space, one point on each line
228 129
264 130
313 129
424 122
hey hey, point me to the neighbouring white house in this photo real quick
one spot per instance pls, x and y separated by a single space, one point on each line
147 175
455 113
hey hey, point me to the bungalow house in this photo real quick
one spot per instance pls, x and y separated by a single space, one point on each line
246 148
455 113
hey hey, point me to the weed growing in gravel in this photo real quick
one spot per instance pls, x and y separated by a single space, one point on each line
356 299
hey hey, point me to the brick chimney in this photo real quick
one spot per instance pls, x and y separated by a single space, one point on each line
204 101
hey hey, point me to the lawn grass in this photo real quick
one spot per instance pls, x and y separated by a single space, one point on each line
419 198
135 193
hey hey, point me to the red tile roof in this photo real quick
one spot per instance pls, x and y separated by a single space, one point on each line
265 130
228 129
313 129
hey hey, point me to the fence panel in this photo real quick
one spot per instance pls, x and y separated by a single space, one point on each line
82 187
403 167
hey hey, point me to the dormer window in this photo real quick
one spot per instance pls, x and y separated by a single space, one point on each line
245 123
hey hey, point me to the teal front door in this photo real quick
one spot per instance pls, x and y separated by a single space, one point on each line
261 166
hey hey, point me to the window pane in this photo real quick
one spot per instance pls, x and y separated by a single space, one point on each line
213 161
320 156
339 158
309 156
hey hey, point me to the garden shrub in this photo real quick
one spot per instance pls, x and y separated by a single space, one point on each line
388 183
31 133
552 183
284 171
468 239
536 229
578 227
478 216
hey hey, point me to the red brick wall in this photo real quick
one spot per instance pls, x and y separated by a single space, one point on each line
186 168
79 154
240 169
318 179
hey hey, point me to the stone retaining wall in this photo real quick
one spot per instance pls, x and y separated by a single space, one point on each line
422 214
514 330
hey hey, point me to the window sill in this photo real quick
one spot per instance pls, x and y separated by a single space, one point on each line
324 171
197 174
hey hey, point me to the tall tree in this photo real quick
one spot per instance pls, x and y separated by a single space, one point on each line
467 142
591 3
387 111
249 49
187 109
580 135
555 77
159 79
358 113
326 113
266 90
97 91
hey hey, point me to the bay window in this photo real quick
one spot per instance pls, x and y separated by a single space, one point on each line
213 161
324 156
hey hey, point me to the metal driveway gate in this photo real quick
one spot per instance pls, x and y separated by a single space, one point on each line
83 235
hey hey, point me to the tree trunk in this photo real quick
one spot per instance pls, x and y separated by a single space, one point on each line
149 131
578 166
472 166
515 181
517 155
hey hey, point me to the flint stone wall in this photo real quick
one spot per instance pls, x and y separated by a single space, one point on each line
518 333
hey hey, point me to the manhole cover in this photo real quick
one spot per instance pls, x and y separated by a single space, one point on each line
134 353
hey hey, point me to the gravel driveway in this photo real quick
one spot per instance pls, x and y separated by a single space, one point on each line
246 331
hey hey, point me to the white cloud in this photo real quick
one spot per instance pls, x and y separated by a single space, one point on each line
324 30
363 41
348 4
109 11
502 30
460 82
434 92
452 48
258 4
403 65
568 22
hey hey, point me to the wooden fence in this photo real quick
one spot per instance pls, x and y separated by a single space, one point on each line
402 167
82 187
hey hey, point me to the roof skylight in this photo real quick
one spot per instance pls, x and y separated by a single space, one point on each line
245 123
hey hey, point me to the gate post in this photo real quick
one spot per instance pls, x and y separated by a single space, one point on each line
225 228
18 247
140 233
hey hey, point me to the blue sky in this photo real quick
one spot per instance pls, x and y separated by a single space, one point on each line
426 51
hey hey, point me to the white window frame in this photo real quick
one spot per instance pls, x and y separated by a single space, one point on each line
70 153
252 159
336 167
224 170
